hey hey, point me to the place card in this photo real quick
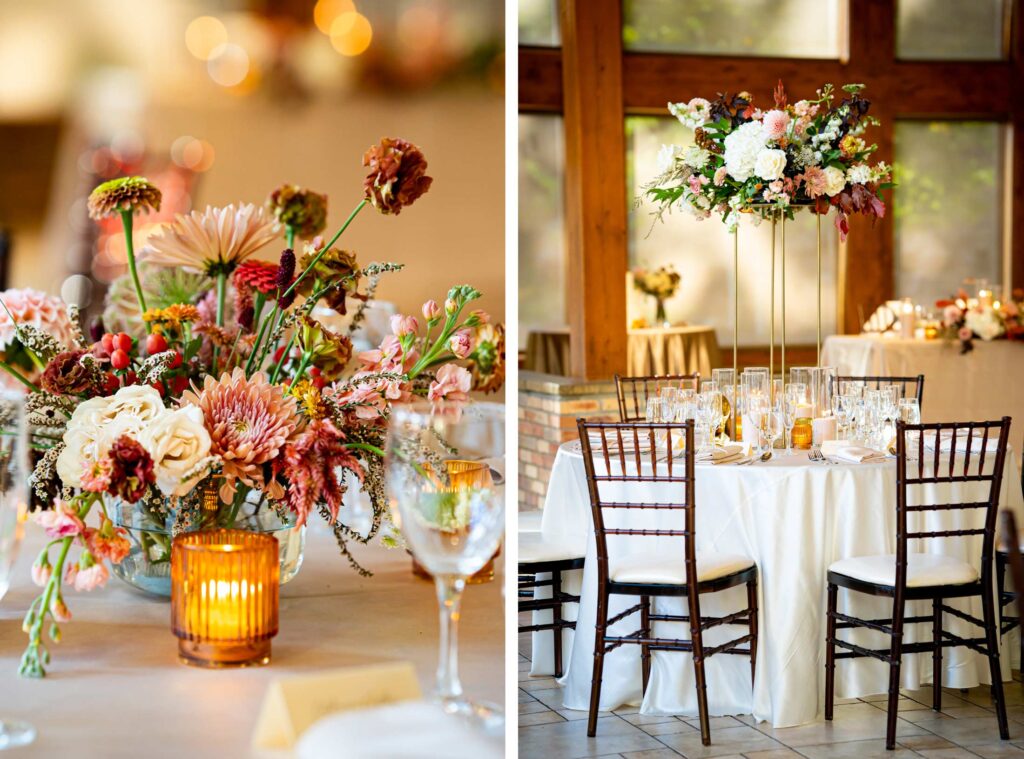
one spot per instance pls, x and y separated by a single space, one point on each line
292 704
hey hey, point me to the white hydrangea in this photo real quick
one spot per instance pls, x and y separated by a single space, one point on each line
667 157
742 147
984 323
770 164
859 174
696 157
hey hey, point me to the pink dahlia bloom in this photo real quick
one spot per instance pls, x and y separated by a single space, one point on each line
453 383
775 124
61 521
249 421
37 309
815 181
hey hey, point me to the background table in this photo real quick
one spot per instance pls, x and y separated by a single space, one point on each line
981 385
652 350
793 518
115 687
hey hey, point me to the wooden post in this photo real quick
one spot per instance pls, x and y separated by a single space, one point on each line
595 186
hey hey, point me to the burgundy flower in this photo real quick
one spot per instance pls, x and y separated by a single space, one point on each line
285 275
398 175
310 464
132 471
304 211
66 375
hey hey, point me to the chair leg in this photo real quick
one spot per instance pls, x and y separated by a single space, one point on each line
557 614
752 607
830 651
995 670
937 654
645 649
697 640
895 660
600 627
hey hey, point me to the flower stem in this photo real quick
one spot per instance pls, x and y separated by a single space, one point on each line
325 248
284 357
289 236
19 376
129 246
222 283
366 447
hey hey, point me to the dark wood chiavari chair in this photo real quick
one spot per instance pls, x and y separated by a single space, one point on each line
633 392
1014 560
682 572
1008 620
916 384
911 576
537 557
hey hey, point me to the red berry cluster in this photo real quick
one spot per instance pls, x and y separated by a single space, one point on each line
119 348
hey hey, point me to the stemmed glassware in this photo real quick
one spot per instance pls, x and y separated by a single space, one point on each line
794 399
451 516
725 380
841 411
772 425
13 510
709 414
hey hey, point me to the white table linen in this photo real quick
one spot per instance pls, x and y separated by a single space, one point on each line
981 385
794 519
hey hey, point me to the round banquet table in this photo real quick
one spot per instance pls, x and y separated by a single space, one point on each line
983 384
793 518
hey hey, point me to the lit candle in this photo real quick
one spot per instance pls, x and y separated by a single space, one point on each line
224 597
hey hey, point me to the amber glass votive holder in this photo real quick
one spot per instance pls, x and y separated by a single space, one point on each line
224 597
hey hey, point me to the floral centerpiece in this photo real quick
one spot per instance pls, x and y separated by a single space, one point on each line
810 153
966 319
661 284
218 393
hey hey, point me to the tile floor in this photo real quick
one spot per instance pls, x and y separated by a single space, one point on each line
966 727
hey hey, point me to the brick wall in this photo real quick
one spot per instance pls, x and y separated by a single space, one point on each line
548 408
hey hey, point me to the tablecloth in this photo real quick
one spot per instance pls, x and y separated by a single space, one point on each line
981 385
649 351
793 518
115 687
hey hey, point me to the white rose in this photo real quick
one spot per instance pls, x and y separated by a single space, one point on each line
176 442
770 164
742 147
142 401
835 180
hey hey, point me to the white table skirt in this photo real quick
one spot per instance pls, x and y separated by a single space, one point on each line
794 519
978 386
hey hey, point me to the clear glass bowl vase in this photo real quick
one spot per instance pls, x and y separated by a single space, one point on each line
147 567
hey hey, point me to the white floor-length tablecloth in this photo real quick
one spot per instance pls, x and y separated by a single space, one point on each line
986 383
793 518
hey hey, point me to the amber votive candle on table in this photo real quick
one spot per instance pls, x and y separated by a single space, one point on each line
224 597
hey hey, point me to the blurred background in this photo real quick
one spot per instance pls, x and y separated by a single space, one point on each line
221 101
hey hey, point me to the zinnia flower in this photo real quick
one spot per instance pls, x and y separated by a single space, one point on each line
249 421
131 194
61 521
398 175
212 242
258 275
311 462
453 383
304 211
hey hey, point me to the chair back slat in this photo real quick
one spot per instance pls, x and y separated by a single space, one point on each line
632 392
915 385
654 459
945 439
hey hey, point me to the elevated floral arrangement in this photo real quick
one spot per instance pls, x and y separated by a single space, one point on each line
966 319
218 388
747 160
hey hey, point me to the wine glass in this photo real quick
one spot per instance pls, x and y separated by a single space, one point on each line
841 411
910 411
709 413
655 409
794 399
451 516
771 426
13 510
725 380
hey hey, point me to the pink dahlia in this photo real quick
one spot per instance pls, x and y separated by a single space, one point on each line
31 307
249 421
311 462
775 123
815 181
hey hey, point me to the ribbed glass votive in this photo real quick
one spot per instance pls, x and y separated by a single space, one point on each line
224 597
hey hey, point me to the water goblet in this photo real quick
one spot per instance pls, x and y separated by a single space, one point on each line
655 409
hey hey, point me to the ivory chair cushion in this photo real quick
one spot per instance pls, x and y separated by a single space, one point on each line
669 568
533 548
529 521
924 570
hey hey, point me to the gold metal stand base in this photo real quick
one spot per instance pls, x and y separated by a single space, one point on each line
219 656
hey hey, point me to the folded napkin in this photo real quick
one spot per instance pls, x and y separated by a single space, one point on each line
945 442
405 730
721 454
855 454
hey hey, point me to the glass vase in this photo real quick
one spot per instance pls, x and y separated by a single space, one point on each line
660 315
147 567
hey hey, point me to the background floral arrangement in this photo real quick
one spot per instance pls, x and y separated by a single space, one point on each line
965 319
661 283
218 383
745 159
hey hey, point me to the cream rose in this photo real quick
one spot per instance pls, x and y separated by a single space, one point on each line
770 164
176 441
141 401
835 180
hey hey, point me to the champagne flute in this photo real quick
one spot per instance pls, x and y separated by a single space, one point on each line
451 516
13 509
771 426
791 406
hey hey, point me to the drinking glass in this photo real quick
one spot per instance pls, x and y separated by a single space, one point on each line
910 411
725 379
655 409
792 402
841 411
757 407
450 515
709 412
13 510
771 426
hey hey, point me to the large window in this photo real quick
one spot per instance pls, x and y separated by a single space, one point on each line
792 28
702 252
949 30
538 22
541 224
948 206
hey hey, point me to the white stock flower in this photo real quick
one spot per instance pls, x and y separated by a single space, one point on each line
835 180
693 114
667 157
859 174
742 147
177 441
770 164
